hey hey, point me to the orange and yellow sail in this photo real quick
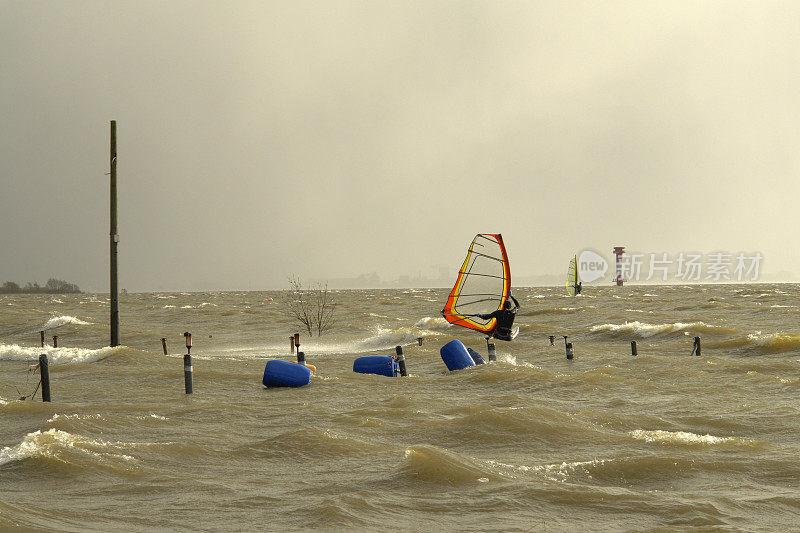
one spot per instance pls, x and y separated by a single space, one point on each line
482 285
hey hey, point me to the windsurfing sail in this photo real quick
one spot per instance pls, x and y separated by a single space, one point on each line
572 276
482 285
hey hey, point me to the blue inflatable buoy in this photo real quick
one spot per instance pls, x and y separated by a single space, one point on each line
476 357
456 356
383 365
279 373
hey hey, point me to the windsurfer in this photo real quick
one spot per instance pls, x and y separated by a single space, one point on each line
505 319
578 287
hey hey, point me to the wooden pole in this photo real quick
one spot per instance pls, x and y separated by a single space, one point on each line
696 346
164 344
41 334
44 371
114 240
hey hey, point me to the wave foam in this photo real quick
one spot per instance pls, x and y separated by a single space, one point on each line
58 321
643 330
53 442
765 343
560 472
433 323
14 352
682 437
553 311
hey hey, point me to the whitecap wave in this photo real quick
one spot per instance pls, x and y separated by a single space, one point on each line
774 342
561 471
682 437
554 311
74 416
58 321
643 330
388 338
433 323
60 356
53 441
764 342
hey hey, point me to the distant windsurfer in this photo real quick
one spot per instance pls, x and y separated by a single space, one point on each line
505 319
578 287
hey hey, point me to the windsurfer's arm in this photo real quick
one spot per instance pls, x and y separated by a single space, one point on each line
516 303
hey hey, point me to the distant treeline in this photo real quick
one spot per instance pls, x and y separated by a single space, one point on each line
53 286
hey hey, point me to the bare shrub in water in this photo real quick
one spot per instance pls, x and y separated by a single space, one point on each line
314 309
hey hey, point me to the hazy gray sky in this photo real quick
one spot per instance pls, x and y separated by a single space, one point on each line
329 139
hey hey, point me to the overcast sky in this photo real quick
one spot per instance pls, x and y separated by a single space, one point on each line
257 140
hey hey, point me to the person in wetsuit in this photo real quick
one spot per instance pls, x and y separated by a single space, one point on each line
505 319
578 288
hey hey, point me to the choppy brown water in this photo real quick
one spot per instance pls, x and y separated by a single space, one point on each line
532 442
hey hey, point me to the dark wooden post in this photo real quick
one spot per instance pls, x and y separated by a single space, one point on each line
44 370
696 346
